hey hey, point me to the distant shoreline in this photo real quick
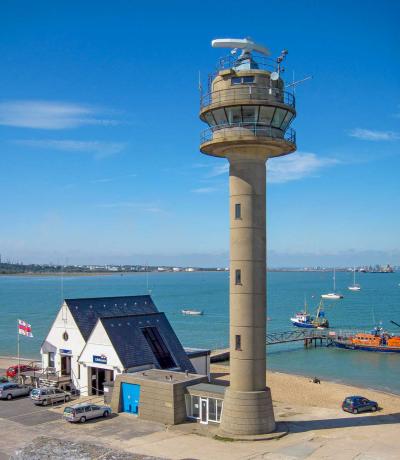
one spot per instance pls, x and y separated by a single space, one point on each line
66 274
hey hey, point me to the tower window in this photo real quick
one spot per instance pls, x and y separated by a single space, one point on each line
238 342
242 80
238 211
238 277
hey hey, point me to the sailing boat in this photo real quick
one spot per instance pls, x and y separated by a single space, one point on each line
354 287
333 295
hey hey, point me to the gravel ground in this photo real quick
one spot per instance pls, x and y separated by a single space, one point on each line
44 448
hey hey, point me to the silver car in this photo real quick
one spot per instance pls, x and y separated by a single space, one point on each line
85 411
49 395
12 390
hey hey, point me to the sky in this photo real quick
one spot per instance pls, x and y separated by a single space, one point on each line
99 132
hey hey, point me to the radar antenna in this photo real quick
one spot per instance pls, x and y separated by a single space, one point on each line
244 44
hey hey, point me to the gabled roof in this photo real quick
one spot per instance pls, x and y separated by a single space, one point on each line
132 347
87 311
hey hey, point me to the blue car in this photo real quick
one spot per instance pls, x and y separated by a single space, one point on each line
356 404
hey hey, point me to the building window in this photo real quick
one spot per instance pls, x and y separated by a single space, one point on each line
242 80
195 407
79 371
238 277
213 408
219 409
238 211
238 342
51 359
158 347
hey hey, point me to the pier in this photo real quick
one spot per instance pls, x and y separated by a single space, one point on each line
310 337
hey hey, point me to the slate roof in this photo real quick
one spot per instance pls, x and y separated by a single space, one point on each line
125 333
87 311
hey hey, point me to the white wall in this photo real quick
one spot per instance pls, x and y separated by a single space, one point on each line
99 344
54 341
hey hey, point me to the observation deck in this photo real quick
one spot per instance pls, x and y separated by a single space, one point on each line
247 108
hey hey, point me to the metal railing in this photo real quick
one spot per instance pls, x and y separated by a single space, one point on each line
238 130
257 62
247 92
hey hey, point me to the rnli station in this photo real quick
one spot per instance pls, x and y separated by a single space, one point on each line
125 349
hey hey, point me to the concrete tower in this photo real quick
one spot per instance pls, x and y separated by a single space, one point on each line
248 113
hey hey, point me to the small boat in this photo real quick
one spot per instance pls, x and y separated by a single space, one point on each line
192 312
305 320
377 340
332 295
354 286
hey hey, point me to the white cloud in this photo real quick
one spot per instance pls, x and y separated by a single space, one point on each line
296 166
99 148
374 135
50 115
204 190
283 169
105 180
219 170
149 207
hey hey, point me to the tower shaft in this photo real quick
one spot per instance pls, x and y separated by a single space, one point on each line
247 404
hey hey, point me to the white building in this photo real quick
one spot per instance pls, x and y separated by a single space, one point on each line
92 340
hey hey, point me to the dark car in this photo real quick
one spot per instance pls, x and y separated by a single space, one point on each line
356 404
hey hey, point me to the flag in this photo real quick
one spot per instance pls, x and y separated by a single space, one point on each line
24 328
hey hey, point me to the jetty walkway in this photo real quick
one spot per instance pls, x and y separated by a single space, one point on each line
308 336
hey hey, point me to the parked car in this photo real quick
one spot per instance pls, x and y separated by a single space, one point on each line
11 390
49 395
85 411
3 379
12 371
356 404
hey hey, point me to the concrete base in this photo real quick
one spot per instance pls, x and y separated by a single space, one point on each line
247 413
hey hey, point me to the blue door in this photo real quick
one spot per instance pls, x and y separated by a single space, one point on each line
130 397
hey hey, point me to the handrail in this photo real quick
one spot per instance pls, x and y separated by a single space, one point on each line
259 62
245 129
240 92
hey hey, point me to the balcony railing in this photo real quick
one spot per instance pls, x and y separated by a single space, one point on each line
247 92
238 130
257 62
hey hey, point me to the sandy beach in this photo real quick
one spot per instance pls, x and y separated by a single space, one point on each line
297 390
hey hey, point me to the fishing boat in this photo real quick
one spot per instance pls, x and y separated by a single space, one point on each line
192 312
354 286
377 340
332 295
305 320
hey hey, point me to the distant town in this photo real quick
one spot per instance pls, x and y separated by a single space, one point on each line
8 267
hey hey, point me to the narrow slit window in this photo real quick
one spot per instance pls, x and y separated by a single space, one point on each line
238 342
238 277
238 211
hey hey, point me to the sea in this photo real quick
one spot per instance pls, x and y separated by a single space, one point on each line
36 300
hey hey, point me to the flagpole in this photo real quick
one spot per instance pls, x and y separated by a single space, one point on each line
18 348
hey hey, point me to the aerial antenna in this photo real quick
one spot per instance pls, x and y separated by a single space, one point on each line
298 82
245 44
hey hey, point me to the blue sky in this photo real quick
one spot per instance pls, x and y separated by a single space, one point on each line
99 132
